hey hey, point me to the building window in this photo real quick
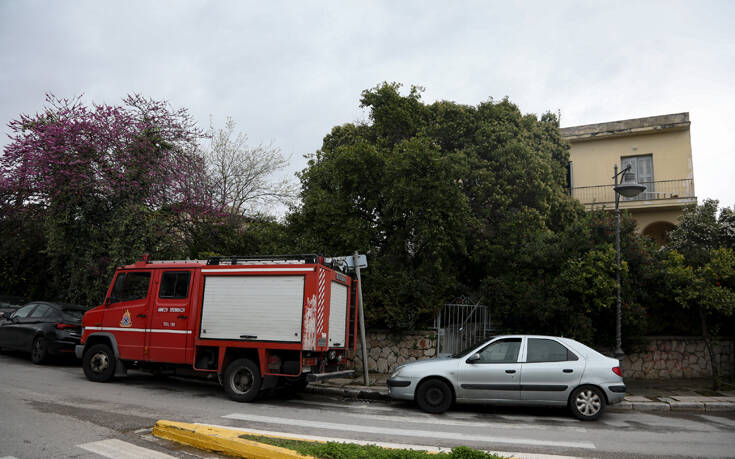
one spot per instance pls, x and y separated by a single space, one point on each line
642 167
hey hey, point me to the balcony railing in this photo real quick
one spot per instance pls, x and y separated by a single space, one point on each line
657 190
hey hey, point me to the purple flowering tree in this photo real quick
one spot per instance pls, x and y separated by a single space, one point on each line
101 184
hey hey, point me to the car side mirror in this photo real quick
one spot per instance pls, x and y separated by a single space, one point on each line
473 358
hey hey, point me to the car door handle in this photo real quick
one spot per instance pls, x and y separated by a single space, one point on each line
568 370
142 316
510 372
181 317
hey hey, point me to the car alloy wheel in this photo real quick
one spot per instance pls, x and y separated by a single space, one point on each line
587 403
39 351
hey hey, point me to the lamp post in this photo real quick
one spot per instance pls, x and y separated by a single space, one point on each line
627 188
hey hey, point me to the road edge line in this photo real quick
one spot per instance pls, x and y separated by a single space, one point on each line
220 440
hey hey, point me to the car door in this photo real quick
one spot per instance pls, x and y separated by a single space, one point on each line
33 325
550 371
127 312
168 335
11 330
492 374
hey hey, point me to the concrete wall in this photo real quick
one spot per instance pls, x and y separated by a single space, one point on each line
593 160
596 148
661 357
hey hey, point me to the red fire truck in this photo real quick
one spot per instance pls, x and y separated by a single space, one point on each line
254 322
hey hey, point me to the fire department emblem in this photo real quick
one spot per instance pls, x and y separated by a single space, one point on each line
126 320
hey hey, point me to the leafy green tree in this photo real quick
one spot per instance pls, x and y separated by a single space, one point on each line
701 268
447 200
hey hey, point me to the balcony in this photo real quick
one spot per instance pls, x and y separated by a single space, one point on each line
658 194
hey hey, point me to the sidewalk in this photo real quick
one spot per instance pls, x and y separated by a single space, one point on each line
642 395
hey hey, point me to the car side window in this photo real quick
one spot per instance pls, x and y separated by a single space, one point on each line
174 285
24 311
130 286
501 351
547 350
42 311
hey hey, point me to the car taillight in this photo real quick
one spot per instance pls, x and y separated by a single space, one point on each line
62 326
618 371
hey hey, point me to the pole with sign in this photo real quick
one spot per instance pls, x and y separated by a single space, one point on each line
361 316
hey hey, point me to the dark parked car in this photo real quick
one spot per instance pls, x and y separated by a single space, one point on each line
43 329
9 304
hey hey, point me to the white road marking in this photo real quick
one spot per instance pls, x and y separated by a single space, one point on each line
342 406
444 421
433 449
452 418
118 449
408 432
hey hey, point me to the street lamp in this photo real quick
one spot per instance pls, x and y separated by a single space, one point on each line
627 188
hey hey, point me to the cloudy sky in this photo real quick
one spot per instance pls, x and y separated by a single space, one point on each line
288 71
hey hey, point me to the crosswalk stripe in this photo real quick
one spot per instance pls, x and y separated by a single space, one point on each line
468 420
118 449
408 432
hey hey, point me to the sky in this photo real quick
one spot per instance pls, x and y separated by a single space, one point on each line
288 71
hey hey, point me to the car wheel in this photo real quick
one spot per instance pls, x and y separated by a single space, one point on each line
39 350
242 380
98 363
587 403
434 396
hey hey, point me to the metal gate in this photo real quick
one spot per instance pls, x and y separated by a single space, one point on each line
460 325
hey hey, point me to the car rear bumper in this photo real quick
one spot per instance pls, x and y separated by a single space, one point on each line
615 393
62 347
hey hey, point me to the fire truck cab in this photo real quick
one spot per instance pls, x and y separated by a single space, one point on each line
253 322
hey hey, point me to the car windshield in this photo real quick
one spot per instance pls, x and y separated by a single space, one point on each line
467 350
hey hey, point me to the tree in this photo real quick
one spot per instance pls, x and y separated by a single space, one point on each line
701 267
241 176
102 184
447 199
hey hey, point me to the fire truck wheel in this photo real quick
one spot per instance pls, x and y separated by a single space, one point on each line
99 363
242 380
39 350
434 396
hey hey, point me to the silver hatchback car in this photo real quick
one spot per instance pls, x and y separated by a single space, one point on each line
515 370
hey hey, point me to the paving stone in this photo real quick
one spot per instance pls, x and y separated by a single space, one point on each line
622 406
686 406
637 398
651 406
719 406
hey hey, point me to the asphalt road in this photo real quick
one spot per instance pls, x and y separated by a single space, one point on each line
53 411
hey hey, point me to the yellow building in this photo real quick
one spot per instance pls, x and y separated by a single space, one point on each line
659 150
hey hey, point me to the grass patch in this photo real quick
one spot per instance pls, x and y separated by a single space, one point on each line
334 450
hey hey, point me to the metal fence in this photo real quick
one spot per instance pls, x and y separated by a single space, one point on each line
460 325
662 189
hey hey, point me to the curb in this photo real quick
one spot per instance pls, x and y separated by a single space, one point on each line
358 394
220 440
665 403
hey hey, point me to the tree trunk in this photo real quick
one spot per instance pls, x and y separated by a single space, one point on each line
713 357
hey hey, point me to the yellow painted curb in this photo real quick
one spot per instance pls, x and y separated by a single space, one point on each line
220 440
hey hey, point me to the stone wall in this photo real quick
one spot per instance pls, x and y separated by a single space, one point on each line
665 357
387 350
676 357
